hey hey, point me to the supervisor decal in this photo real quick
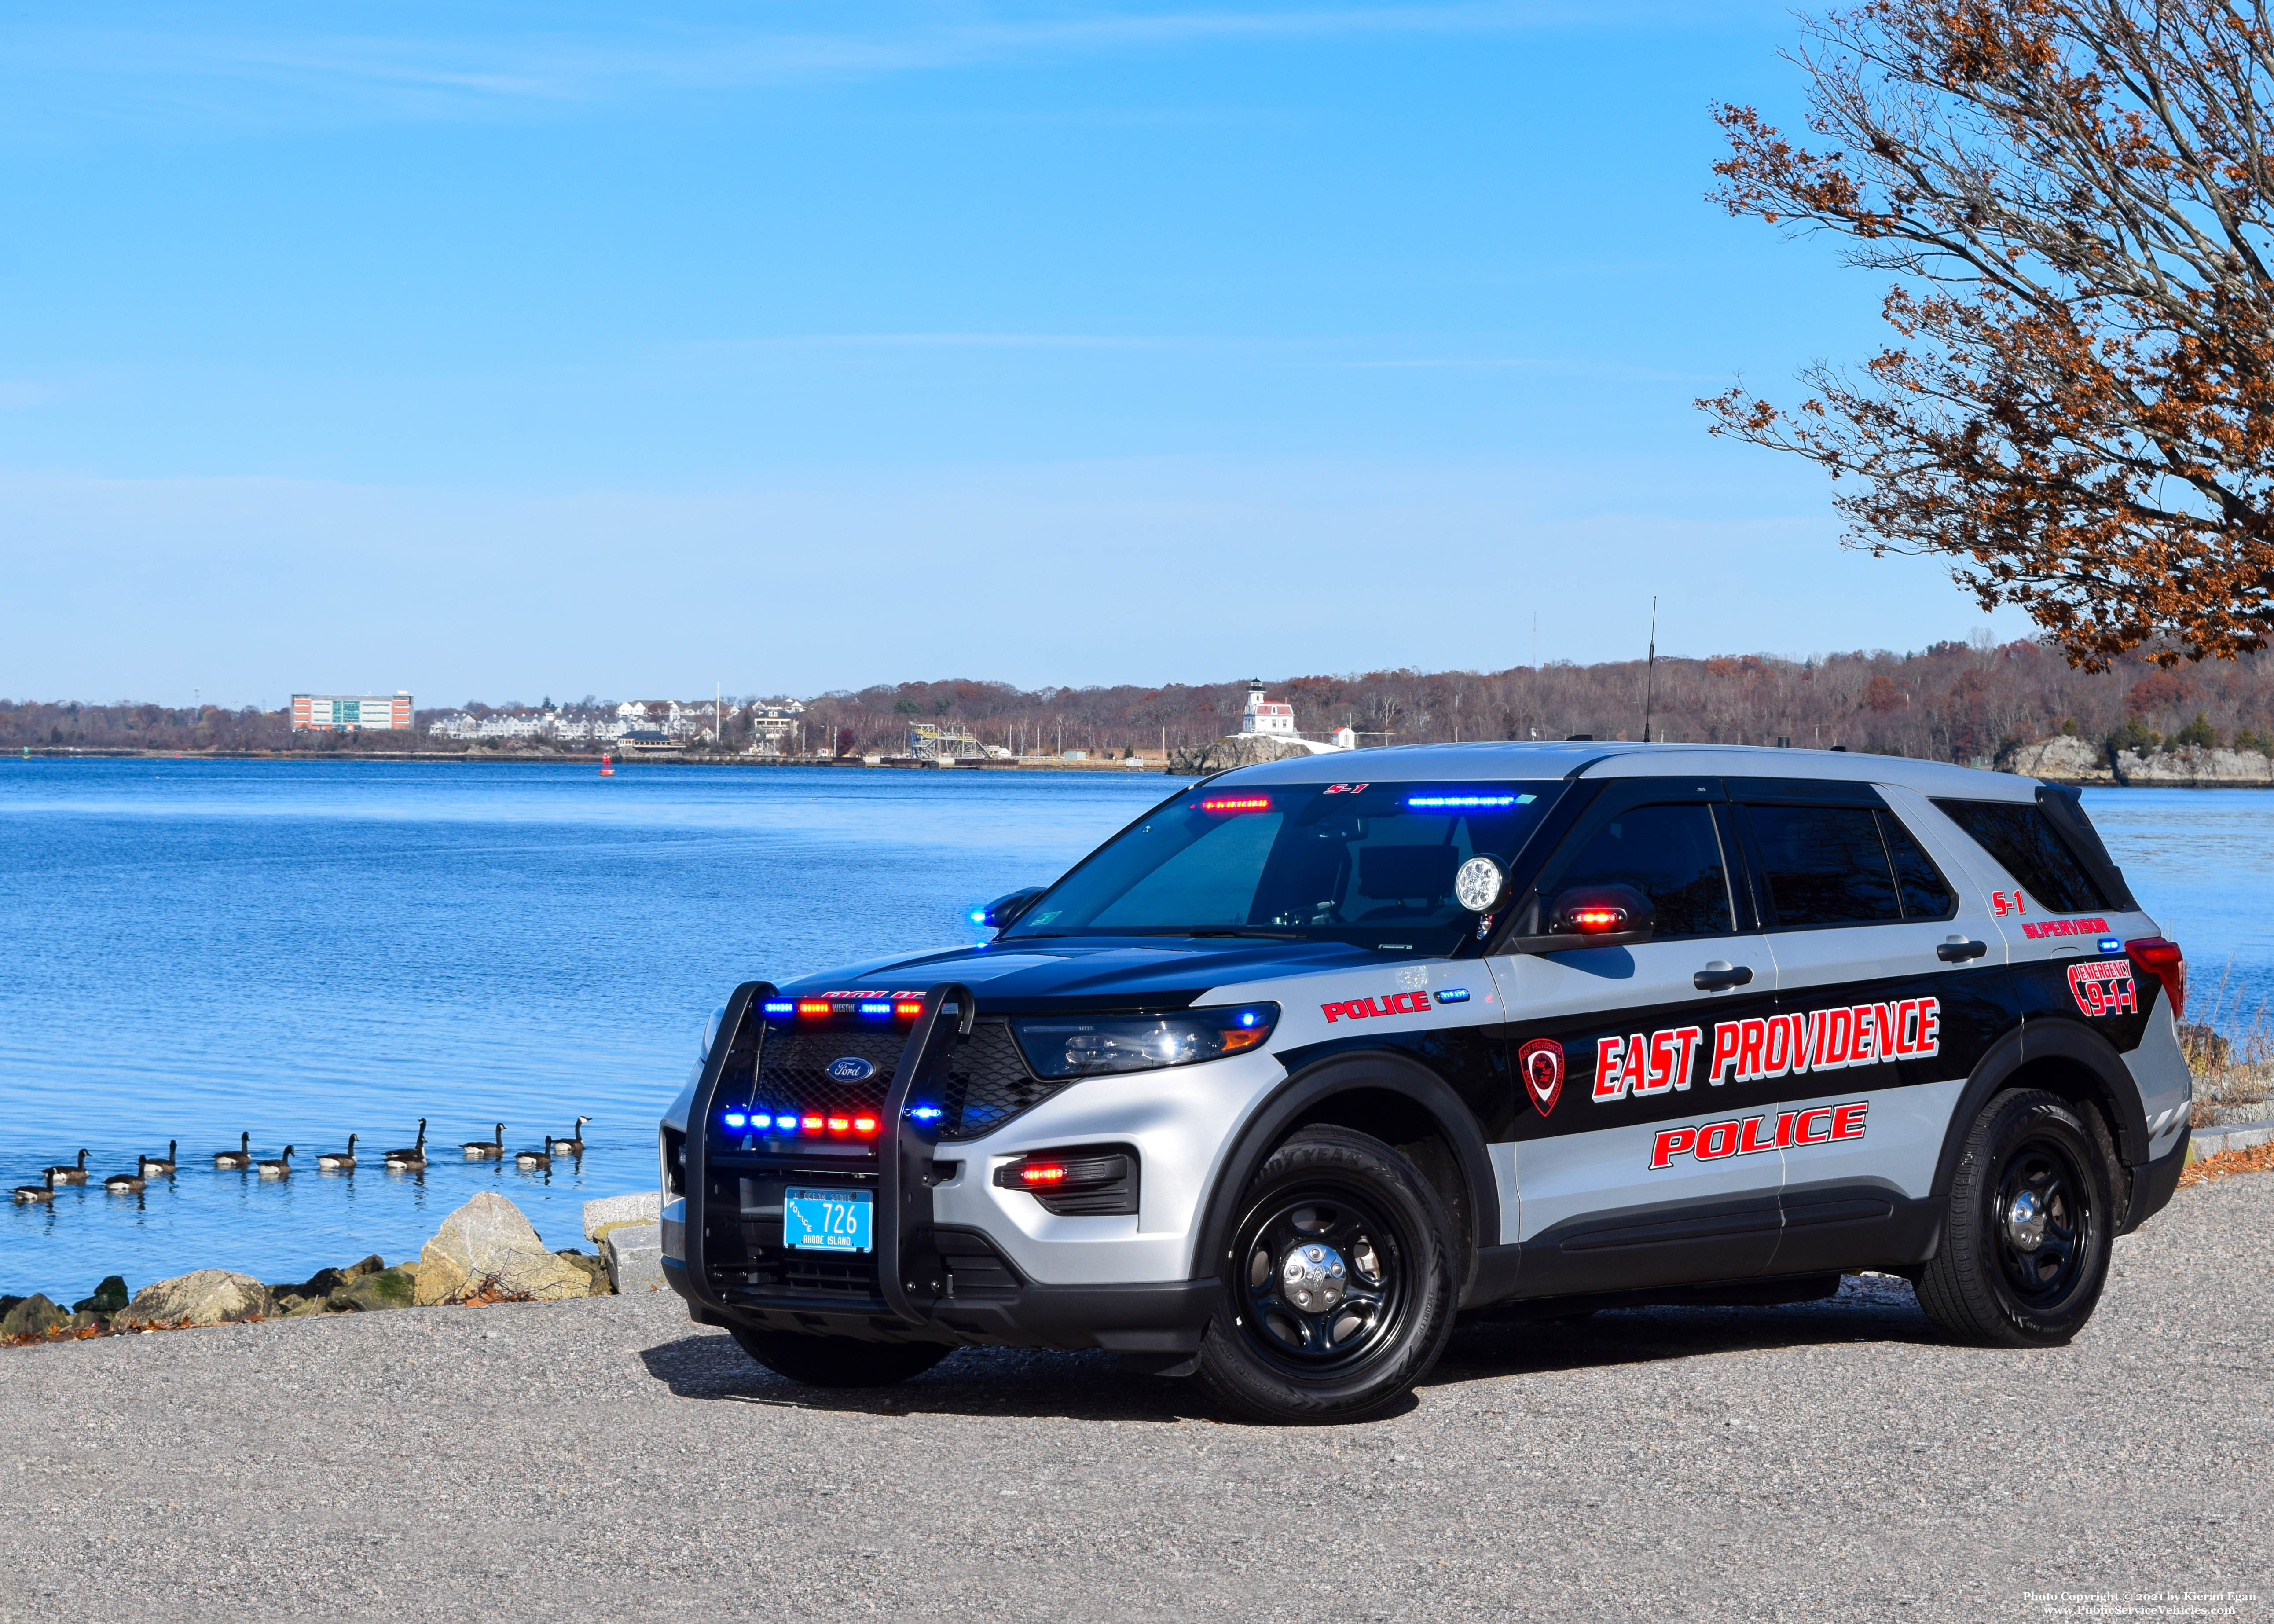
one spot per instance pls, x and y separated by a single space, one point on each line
1750 1136
1752 1050
2036 928
2104 987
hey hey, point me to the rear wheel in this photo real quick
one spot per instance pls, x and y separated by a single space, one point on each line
837 1361
2025 1246
1338 1286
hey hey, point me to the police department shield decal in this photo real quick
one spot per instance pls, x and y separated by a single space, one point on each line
1541 1062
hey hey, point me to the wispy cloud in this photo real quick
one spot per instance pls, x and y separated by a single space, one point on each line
168 73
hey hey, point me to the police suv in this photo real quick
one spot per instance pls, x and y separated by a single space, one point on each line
1297 1067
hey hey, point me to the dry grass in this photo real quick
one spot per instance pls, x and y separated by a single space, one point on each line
2257 1159
2230 1050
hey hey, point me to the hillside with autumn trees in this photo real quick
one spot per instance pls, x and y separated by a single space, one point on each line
1954 702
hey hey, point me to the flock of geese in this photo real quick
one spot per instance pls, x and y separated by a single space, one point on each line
410 1158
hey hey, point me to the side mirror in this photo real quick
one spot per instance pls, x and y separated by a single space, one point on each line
1592 916
1006 908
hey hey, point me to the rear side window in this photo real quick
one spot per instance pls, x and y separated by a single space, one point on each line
1926 894
2027 847
1672 855
1842 866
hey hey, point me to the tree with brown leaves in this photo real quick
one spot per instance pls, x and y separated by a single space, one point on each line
2075 198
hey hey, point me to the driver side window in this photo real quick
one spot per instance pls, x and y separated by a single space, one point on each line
1672 855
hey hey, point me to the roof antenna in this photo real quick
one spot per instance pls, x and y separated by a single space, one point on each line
1650 668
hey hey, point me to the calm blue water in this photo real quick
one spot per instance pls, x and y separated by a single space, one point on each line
306 949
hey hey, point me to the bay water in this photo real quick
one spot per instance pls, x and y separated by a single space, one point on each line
190 950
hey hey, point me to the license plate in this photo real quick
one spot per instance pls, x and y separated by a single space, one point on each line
826 1220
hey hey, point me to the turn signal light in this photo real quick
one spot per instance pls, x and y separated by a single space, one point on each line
2163 960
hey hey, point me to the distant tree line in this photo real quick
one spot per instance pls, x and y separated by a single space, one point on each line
1954 702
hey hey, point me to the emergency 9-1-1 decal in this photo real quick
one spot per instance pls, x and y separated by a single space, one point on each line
1752 1050
2104 987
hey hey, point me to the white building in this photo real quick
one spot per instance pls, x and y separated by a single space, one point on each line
1265 716
1276 720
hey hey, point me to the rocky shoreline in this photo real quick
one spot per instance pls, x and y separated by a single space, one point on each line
487 1252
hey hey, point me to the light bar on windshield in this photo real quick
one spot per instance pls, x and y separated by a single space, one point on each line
1237 803
1434 802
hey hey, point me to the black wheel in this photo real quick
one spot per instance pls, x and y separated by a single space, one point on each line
1338 1286
2025 1247
837 1361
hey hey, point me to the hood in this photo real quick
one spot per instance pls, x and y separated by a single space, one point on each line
1094 972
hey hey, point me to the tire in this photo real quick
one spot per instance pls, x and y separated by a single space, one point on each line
837 1361
1343 1222
2025 1246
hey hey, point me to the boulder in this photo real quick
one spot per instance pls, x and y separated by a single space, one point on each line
108 1298
596 1270
487 1245
635 1256
395 1287
642 1207
34 1316
202 1296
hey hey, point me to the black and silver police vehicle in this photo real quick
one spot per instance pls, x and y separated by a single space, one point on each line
1320 1054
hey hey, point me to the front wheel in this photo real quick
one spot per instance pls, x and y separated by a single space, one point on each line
837 1361
2025 1247
1338 1283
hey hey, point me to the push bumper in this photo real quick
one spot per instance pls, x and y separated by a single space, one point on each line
935 1282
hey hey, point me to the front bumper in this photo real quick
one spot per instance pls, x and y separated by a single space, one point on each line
957 1259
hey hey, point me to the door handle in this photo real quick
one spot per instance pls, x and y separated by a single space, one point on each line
1958 950
1720 975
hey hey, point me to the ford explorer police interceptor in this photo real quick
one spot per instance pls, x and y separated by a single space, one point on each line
1317 1054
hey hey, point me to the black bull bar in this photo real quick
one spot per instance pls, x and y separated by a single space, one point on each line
1151 1318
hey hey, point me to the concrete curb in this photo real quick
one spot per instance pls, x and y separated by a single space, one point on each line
634 1252
641 1206
2234 1136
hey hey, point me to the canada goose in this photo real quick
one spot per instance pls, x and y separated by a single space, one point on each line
410 1157
130 1184
154 1168
478 1149
281 1168
38 1192
70 1173
571 1146
241 1157
340 1160
538 1158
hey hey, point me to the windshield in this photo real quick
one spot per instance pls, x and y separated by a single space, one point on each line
1370 864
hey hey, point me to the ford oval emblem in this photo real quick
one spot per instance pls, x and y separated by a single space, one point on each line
851 1069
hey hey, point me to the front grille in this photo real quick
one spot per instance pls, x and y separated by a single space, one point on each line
987 1080
793 1064
988 1084
851 1276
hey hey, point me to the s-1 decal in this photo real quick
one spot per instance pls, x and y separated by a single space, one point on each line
1343 789
1750 1051
2104 987
2032 929
2004 902
1750 1136
1359 1009
1542 1064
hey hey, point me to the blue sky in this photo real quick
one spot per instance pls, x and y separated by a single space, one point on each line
496 350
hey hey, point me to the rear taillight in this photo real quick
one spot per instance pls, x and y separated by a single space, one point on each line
2163 960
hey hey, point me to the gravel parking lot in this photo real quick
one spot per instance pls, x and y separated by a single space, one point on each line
604 1459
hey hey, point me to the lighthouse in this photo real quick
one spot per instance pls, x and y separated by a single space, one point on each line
1265 716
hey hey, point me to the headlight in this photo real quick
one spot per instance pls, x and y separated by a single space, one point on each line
1091 1046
